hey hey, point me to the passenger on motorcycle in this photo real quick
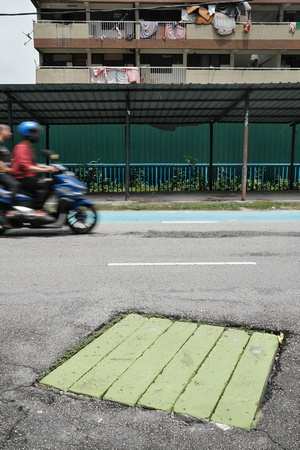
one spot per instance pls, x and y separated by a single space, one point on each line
6 180
25 169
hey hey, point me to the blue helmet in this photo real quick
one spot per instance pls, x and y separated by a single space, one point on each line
29 128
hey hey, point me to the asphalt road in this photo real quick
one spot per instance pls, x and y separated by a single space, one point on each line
57 287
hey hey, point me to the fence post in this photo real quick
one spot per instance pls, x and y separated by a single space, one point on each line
127 147
211 152
245 153
292 157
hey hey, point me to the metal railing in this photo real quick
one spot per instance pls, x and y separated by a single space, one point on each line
163 75
184 177
112 30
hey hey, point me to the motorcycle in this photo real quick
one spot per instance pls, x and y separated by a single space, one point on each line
70 205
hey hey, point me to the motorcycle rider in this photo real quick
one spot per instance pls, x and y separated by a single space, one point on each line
25 169
6 180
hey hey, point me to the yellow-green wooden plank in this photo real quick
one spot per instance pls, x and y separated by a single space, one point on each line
134 382
243 394
165 390
206 387
96 382
74 368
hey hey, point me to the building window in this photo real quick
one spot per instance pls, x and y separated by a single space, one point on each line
112 16
97 58
291 16
113 59
64 59
63 15
160 15
205 60
290 61
165 62
79 59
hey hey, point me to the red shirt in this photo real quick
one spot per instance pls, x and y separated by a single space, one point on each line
22 158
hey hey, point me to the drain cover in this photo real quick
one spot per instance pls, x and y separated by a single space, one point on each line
203 371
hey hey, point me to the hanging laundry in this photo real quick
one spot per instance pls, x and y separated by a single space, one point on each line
115 75
133 75
185 17
177 32
223 24
147 29
230 9
247 6
98 75
292 27
211 9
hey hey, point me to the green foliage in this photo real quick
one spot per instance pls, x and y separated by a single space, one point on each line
189 177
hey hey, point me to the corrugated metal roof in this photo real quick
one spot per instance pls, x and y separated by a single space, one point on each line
157 105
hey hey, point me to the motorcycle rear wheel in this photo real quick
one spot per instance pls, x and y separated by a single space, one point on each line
83 219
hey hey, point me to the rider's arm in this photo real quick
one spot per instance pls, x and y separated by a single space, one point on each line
41 168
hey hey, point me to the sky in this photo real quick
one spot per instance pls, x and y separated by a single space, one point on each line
17 61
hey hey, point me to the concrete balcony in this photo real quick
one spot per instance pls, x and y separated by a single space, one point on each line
261 36
175 75
60 30
61 75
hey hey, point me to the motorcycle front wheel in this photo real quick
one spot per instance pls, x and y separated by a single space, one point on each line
83 219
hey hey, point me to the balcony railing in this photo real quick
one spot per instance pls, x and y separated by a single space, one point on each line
163 75
112 30
169 75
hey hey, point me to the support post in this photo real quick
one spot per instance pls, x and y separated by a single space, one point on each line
292 157
245 152
10 121
127 147
211 156
47 143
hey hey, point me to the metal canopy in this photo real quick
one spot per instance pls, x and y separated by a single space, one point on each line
158 105
163 106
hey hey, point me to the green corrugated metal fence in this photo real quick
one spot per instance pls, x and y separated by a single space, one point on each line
106 144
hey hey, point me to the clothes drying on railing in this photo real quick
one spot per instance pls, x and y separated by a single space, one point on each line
115 75
293 26
147 29
185 17
223 24
175 31
229 9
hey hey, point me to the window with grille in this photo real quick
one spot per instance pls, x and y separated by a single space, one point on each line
205 60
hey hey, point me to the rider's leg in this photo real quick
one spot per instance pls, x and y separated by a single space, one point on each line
32 186
12 185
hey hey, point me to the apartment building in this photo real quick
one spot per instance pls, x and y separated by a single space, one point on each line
162 42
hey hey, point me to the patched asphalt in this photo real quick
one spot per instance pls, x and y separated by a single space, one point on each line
206 372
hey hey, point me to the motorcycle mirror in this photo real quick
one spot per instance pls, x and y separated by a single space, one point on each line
49 154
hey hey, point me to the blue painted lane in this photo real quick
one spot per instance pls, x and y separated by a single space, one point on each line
198 216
